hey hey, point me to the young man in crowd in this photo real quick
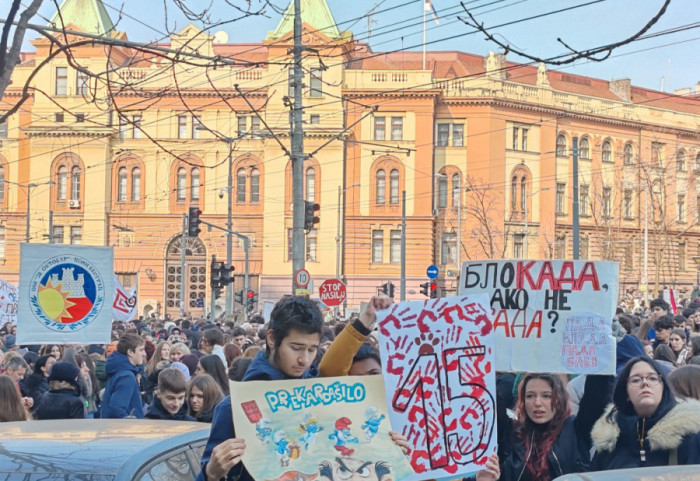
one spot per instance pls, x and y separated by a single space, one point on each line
212 342
239 337
122 396
169 401
662 327
15 369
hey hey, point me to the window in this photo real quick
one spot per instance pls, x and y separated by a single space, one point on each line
561 145
181 184
2 242
255 185
523 193
584 200
448 249
442 191
561 198
311 241
560 247
240 185
61 80
310 184
58 117
121 185
607 151
194 190
196 126
75 183
394 187
583 247
79 118
514 193
136 132
315 119
122 127
181 126
657 153
584 149
254 125
607 202
76 235
681 256
443 135
697 161
518 246
627 205
316 82
136 185
628 155
524 141
3 130
397 128
62 190
680 161
377 246
2 184
381 187
681 208
456 191
458 135
629 257
242 126
82 84
380 128
57 236
516 131
395 247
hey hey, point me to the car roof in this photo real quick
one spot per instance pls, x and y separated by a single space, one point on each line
657 473
96 446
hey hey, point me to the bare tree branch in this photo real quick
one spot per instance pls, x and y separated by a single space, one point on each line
10 58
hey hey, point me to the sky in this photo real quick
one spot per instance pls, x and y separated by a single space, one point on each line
397 24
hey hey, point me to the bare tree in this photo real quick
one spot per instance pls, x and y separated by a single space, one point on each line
483 214
10 52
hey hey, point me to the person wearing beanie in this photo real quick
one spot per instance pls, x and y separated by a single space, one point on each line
191 361
63 401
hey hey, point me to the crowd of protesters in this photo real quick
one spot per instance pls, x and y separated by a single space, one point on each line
648 414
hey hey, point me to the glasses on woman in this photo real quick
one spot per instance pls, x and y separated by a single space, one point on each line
637 381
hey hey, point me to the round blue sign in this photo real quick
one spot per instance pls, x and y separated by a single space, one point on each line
432 271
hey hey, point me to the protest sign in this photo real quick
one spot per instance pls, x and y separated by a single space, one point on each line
124 305
66 294
323 429
549 316
437 359
8 302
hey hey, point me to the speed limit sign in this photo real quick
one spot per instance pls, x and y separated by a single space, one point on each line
302 278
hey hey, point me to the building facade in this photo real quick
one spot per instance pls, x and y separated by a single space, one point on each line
112 146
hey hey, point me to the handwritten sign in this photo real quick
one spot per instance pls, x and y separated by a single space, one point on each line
8 302
438 363
549 316
311 429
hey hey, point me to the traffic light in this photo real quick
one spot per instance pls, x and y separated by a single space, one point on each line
424 289
310 217
388 289
433 290
216 292
239 297
250 301
221 274
227 274
193 221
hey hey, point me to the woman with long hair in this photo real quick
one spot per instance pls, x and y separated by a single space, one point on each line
663 354
203 395
37 383
11 406
645 425
679 345
232 352
52 350
211 364
162 353
685 382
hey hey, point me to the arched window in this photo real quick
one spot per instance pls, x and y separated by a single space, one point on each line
628 154
442 191
255 185
62 190
680 161
240 185
181 184
456 191
136 185
310 184
121 185
381 187
194 190
75 183
561 145
514 193
394 187
607 151
523 193
584 149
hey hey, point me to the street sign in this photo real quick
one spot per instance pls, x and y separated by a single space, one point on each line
302 278
302 292
432 271
332 292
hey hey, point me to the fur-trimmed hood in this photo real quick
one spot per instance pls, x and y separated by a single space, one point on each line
682 420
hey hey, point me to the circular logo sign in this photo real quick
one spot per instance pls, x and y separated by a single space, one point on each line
66 292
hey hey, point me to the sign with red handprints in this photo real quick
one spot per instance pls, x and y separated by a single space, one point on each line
438 363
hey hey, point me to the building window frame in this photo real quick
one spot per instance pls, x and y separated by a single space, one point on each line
61 87
377 246
380 128
561 146
606 152
584 149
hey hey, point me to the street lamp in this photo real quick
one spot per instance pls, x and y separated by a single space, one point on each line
527 226
29 188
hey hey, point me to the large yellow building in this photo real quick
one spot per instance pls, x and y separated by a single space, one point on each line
113 152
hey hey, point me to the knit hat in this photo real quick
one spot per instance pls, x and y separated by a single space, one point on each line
191 361
64 371
182 368
10 341
96 349
342 423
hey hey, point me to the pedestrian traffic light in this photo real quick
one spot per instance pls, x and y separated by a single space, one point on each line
424 288
250 301
239 297
310 217
193 221
388 289
433 290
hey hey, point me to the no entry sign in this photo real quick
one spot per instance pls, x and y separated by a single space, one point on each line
332 292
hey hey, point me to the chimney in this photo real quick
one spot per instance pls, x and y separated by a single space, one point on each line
622 88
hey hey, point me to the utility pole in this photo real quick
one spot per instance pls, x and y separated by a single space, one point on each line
297 140
229 227
577 234
403 245
183 265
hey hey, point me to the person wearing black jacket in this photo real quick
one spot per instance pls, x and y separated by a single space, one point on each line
169 400
63 401
37 383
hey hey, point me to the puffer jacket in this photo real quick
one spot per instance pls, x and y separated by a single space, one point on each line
62 402
673 437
